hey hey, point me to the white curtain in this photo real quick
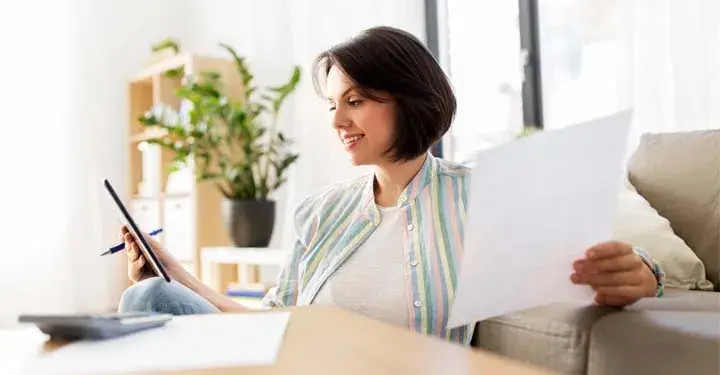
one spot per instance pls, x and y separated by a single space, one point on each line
659 57
34 154
674 52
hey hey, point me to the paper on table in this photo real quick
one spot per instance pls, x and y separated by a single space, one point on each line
186 342
535 205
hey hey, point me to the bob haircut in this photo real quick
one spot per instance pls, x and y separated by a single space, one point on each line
385 61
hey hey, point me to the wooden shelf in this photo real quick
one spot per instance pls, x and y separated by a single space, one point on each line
147 74
193 219
191 63
147 134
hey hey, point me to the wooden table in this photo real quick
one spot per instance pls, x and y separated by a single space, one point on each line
325 340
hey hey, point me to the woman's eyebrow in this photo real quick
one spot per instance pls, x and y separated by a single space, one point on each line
343 94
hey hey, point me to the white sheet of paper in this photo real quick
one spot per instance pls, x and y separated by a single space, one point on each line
535 205
186 342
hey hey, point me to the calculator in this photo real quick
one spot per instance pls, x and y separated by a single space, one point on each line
71 327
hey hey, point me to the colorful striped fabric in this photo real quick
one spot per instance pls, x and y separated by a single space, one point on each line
332 224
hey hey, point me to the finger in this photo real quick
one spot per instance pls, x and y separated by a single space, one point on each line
628 292
632 277
608 249
134 252
129 242
139 263
610 300
619 263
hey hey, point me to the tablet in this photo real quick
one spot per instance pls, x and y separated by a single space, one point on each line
143 244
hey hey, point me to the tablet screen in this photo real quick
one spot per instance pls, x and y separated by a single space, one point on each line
142 242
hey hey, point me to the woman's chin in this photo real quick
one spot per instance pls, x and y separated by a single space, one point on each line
357 158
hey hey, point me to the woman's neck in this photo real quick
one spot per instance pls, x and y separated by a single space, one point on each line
392 178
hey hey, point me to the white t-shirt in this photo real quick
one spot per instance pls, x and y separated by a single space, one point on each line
372 280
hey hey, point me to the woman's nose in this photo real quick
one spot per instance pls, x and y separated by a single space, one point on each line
339 120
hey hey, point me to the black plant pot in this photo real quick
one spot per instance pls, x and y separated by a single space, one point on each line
249 222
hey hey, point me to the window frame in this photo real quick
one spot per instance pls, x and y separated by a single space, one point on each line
436 25
532 98
432 41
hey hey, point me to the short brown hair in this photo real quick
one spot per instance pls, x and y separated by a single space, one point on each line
391 60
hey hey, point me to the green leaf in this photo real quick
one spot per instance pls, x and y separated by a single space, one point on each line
249 91
224 191
167 43
242 68
212 76
286 89
175 73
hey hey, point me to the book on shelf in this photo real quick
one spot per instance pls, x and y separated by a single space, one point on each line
249 295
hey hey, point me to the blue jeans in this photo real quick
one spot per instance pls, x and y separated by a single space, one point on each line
158 296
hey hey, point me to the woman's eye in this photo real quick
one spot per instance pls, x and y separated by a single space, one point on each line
331 109
354 103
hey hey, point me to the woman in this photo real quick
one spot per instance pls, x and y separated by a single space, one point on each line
387 245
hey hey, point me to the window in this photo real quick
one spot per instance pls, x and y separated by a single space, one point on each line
485 62
533 63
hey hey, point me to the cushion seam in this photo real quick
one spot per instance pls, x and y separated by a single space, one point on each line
568 331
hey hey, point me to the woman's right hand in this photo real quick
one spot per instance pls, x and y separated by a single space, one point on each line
138 267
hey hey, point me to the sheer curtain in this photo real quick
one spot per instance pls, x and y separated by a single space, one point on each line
34 154
659 57
674 51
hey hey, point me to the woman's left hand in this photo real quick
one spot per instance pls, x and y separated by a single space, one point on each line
616 273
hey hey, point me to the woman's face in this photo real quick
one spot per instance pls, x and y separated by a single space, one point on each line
365 127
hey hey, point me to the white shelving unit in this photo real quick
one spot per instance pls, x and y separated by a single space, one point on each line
246 259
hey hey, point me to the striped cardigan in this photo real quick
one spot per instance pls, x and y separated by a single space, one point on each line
332 224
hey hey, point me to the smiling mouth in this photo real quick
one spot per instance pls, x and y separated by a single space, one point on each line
349 141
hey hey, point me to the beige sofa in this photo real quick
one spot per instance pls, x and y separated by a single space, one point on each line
679 175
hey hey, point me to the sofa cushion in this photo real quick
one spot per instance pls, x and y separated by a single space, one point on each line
555 337
638 223
676 334
679 174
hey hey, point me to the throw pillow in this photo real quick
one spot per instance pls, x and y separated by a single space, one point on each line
636 222
679 175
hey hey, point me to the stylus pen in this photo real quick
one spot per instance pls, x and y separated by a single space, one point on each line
121 246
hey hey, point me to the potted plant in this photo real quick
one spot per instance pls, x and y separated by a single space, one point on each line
231 142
